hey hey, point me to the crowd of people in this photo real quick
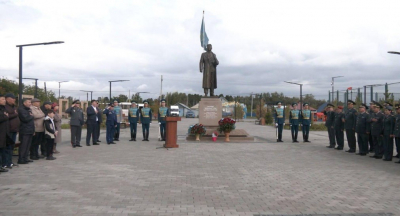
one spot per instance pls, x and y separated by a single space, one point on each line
376 129
38 127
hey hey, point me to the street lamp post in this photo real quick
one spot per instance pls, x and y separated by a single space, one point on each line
333 89
115 81
87 93
35 94
20 64
301 92
138 95
59 88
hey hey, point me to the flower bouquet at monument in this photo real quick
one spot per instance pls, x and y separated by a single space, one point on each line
226 125
198 129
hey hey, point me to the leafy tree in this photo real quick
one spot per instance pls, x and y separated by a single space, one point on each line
8 86
122 98
238 111
268 117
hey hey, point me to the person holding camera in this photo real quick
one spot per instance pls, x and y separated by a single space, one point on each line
76 123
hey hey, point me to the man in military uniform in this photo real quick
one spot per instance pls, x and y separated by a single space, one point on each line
329 123
388 133
397 129
339 127
76 123
118 113
294 122
376 131
111 123
350 117
279 116
133 120
370 140
145 118
362 130
305 121
162 113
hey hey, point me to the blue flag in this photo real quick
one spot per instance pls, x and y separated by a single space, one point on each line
203 35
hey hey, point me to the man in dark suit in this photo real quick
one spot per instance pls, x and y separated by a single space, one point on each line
100 120
91 123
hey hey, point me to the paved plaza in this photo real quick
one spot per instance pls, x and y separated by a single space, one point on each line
203 178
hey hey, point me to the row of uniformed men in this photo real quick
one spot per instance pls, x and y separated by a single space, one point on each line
375 129
114 118
134 113
296 118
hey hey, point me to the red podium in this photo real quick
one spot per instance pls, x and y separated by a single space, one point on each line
171 132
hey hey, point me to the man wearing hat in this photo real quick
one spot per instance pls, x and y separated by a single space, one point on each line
371 114
38 138
162 113
14 123
145 118
91 122
349 119
305 121
362 130
339 127
294 122
118 113
376 131
111 123
133 120
388 133
329 123
279 116
76 122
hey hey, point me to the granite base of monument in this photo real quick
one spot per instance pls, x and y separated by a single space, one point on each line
210 112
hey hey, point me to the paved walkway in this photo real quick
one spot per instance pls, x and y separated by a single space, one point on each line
258 178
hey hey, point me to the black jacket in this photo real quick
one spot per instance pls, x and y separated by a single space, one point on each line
91 115
13 117
27 126
4 127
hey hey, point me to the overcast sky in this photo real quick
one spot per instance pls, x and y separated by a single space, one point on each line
259 44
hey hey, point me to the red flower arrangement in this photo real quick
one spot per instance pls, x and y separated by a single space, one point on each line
226 125
198 129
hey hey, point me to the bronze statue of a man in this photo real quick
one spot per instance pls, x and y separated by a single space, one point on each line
208 66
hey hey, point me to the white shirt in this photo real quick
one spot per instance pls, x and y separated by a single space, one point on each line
97 118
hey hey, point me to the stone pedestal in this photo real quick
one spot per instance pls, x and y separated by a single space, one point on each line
210 111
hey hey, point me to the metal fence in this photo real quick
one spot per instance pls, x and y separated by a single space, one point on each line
361 96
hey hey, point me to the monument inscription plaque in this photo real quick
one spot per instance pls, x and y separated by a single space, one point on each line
210 111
